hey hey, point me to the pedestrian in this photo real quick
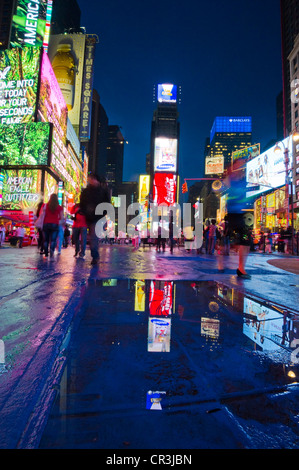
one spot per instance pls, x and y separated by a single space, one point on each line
226 236
40 242
79 231
66 236
53 215
95 193
212 237
20 235
160 239
171 239
206 236
2 235
269 243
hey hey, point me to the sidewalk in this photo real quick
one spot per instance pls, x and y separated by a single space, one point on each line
40 307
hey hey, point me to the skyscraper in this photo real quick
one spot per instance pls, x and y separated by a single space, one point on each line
229 134
115 158
6 9
289 31
164 152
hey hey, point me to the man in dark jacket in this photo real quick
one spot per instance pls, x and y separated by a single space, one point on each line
95 193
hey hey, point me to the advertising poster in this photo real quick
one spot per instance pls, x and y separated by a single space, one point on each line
167 93
50 186
279 199
21 189
159 334
263 325
267 170
30 23
144 188
65 164
246 154
19 72
51 105
165 154
164 189
86 97
160 299
210 327
214 165
139 305
66 54
155 400
25 144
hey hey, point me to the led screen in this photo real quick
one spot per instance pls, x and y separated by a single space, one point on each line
167 93
31 22
25 144
51 105
267 171
21 189
262 324
247 153
165 154
164 189
19 70
159 334
144 188
224 124
160 300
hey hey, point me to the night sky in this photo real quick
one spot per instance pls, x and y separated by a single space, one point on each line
225 55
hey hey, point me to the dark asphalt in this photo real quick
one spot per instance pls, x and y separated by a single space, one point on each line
43 302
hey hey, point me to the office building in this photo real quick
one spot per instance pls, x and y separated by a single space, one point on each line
115 158
229 134
289 32
6 11
66 16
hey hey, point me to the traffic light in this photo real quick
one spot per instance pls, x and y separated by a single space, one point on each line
184 188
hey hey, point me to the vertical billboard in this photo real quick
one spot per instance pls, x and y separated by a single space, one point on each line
19 73
165 157
31 22
159 334
139 305
160 299
164 189
144 188
51 106
66 53
214 165
86 97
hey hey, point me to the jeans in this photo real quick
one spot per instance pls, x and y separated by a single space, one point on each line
93 242
50 234
60 238
212 243
80 237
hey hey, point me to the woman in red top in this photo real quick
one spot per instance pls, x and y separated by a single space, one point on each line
79 231
53 215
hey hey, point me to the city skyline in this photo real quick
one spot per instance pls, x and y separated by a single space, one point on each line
141 45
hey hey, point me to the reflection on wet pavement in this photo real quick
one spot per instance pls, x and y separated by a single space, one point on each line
177 365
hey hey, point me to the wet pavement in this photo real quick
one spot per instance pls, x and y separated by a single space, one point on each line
91 352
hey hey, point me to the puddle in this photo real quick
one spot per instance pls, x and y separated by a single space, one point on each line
177 365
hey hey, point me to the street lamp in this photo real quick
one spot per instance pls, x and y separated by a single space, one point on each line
295 138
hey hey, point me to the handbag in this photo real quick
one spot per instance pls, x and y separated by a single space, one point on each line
39 223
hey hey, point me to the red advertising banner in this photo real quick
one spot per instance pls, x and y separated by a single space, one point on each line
164 188
160 299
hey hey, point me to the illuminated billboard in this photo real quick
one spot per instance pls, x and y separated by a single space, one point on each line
19 72
144 188
160 299
167 93
164 189
210 327
31 23
51 105
86 99
21 189
66 53
159 334
230 124
214 165
247 153
65 164
262 325
165 154
25 144
139 305
267 171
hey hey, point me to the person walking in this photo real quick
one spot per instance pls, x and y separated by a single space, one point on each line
20 235
95 193
40 242
2 235
212 237
226 236
79 231
53 215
